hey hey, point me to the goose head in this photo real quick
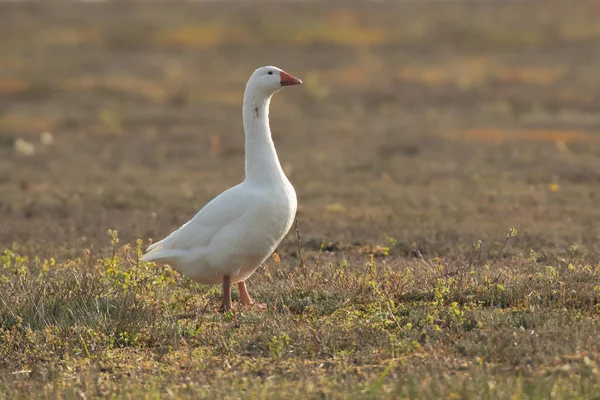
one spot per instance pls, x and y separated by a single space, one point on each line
269 80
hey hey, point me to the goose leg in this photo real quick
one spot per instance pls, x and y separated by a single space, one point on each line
226 294
245 297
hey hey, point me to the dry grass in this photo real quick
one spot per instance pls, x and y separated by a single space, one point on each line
423 133
380 326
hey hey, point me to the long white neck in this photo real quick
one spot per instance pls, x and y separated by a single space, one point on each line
261 158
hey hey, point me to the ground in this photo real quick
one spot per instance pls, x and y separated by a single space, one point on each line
447 163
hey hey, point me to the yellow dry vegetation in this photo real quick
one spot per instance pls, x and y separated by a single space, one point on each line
348 74
215 145
496 135
365 70
11 63
25 123
473 71
220 97
119 83
530 75
573 31
351 36
71 36
13 85
339 27
336 207
191 36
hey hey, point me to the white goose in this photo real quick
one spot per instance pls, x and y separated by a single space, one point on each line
228 239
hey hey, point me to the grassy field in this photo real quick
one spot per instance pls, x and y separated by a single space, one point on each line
446 158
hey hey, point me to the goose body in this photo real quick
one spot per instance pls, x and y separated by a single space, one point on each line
232 235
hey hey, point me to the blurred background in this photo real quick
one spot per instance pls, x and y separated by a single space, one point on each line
425 123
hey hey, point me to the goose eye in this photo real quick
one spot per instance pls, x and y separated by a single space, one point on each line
270 72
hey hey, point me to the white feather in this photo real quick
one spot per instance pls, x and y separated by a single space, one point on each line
239 229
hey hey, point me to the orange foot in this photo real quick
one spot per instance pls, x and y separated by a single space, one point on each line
251 306
259 306
246 301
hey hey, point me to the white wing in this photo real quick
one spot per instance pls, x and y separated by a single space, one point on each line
197 233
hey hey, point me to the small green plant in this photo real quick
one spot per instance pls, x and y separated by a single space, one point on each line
278 345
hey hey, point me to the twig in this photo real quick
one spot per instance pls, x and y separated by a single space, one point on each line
318 260
476 247
513 232
418 252
394 317
303 266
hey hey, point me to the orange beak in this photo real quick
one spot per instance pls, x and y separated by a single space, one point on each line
288 80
